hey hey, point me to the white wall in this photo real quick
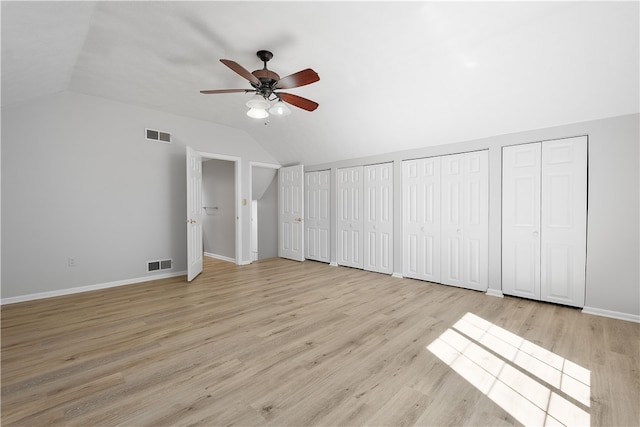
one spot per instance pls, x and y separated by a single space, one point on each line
613 228
79 180
218 198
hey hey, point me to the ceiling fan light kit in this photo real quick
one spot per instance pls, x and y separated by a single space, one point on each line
265 83
257 113
280 109
258 102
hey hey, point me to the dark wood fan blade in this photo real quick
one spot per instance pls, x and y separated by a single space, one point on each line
301 78
298 101
207 92
241 71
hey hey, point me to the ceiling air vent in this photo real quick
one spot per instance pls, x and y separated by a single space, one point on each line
156 135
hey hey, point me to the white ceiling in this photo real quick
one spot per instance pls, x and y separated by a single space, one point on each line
394 75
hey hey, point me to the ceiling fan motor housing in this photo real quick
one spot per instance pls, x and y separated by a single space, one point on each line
268 79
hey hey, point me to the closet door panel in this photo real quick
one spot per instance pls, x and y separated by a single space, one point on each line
324 218
350 219
421 218
317 221
452 182
521 169
563 221
475 218
378 219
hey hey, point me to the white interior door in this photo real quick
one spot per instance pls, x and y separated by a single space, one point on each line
291 212
452 221
564 221
475 220
194 214
521 169
350 220
378 218
465 220
317 220
421 223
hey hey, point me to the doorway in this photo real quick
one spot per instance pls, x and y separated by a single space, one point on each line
219 209
264 210
225 196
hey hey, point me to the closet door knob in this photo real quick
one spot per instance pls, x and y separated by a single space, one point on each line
535 234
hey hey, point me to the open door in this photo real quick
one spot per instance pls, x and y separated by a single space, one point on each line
194 214
290 213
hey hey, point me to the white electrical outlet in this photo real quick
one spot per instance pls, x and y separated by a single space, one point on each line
72 262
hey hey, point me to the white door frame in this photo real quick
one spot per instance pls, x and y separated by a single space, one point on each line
238 213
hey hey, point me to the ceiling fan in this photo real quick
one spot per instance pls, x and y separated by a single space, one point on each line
266 84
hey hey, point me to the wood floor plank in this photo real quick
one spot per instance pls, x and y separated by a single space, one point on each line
284 343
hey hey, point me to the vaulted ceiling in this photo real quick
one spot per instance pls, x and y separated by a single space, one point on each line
394 75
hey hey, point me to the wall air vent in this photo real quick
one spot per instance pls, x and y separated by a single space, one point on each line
165 264
156 135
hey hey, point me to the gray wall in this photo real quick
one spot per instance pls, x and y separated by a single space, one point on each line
268 222
218 198
613 247
80 180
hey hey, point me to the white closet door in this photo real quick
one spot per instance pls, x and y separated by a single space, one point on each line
475 221
378 218
291 212
521 168
317 222
564 221
464 221
421 219
452 246
350 219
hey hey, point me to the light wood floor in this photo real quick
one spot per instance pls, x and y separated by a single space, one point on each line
295 344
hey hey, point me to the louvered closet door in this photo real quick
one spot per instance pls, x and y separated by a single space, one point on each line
317 221
378 218
350 219
563 231
421 219
521 169
464 220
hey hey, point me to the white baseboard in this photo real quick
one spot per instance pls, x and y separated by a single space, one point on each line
333 264
612 314
220 257
397 275
69 291
495 293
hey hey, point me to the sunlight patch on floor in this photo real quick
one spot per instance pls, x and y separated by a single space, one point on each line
536 386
